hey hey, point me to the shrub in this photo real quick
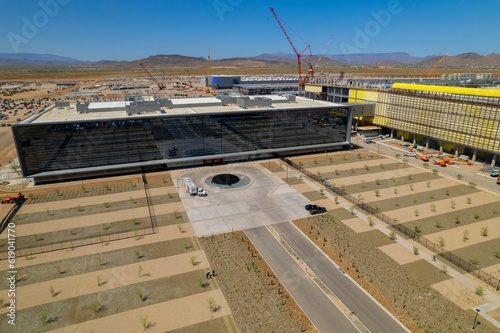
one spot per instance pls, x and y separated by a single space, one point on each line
441 241
416 212
415 250
44 316
484 231
426 165
468 200
465 235
411 187
336 198
428 184
396 202
193 261
417 228
444 269
472 184
460 177
438 224
433 207
452 203
497 254
447 192
392 235
434 171
457 219
477 215
377 193
479 291
367 167
371 222
396 191
377 181
474 259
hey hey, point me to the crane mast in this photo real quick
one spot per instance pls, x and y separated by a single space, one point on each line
160 84
310 72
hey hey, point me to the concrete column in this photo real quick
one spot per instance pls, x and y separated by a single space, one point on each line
456 151
402 137
441 148
474 155
427 143
392 133
493 161
414 140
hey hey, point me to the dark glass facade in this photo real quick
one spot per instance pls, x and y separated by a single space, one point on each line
50 147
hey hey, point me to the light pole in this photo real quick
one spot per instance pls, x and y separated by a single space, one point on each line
474 325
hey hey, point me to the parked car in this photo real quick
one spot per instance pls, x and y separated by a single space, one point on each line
310 207
201 192
317 210
494 173
410 154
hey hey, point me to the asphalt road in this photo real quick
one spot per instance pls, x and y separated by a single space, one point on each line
314 302
367 310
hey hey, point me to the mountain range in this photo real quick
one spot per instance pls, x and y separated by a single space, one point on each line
393 59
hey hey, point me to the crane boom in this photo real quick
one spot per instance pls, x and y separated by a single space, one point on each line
160 84
297 53
437 63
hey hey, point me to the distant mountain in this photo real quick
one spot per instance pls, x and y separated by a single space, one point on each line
373 58
274 60
35 59
353 59
468 59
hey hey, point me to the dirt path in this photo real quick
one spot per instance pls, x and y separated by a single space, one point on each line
166 233
442 206
389 192
88 201
163 317
83 284
454 238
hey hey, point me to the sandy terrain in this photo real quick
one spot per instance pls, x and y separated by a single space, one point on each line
442 206
83 284
459 294
400 253
163 317
454 237
357 225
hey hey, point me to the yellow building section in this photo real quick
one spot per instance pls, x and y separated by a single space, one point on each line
448 90
314 89
362 95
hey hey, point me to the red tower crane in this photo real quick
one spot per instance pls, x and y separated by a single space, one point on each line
310 72
160 84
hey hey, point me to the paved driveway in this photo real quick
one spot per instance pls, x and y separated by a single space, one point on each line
265 200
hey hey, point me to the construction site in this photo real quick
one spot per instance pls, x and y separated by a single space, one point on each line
305 198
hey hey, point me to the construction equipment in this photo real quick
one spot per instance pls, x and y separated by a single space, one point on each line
310 72
431 71
13 198
159 83
207 79
324 51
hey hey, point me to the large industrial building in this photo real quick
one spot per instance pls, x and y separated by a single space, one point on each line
73 140
457 120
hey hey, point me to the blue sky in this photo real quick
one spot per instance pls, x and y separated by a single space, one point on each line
128 29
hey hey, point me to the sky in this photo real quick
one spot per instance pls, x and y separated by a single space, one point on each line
129 29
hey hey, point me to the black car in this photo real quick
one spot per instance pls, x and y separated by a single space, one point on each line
310 207
317 210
